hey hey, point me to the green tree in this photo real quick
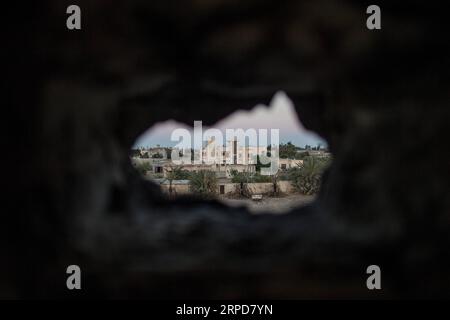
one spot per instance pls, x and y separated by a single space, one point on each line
203 183
306 178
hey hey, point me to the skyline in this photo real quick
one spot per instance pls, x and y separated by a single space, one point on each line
280 114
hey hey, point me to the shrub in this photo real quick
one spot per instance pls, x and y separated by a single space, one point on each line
257 177
240 177
143 166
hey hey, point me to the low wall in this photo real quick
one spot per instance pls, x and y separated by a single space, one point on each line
176 189
286 187
254 188
258 188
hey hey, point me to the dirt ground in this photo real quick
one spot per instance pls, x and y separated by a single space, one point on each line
274 205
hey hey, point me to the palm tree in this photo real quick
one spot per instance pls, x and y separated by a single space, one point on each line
174 173
274 178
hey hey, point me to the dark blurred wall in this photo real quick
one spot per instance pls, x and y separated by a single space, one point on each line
76 100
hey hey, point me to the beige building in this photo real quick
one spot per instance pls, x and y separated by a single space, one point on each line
232 153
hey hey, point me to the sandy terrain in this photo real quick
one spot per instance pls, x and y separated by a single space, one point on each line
274 205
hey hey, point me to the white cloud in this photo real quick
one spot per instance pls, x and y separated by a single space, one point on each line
280 115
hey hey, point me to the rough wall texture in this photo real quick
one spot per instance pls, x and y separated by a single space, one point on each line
78 100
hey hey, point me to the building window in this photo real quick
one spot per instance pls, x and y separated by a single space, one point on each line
283 166
222 189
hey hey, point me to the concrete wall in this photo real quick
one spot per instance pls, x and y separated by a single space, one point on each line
255 188
177 189
286 187
259 188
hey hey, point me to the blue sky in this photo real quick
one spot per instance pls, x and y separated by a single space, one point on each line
280 114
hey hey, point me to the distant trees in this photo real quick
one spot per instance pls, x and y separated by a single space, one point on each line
288 150
203 183
317 147
291 151
306 178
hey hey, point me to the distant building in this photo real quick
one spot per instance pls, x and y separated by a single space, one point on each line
232 153
319 153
